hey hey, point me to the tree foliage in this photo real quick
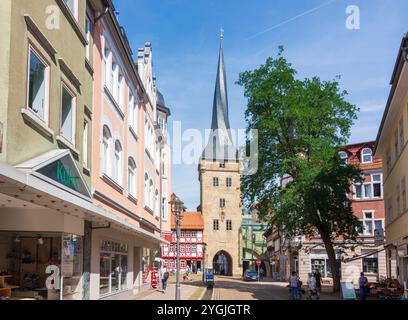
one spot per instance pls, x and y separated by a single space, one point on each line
301 124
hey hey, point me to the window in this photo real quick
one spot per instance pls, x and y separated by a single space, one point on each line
369 190
118 175
133 113
216 225
68 115
85 144
146 190
216 182
182 264
38 84
343 157
113 264
389 163
188 248
156 203
229 225
182 247
396 150
403 195
88 31
222 165
398 200
367 155
370 263
73 7
164 209
132 178
229 182
222 203
194 248
121 90
401 134
390 213
370 224
106 146
108 67
151 194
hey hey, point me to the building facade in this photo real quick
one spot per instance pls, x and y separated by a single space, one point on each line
81 153
391 145
220 187
305 255
192 244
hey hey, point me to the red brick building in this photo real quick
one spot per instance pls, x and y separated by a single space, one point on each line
362 256
191 243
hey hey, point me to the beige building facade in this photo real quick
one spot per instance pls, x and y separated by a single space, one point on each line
392 146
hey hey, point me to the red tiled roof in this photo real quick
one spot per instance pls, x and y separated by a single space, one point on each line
190 221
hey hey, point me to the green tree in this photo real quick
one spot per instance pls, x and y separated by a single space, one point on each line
301 124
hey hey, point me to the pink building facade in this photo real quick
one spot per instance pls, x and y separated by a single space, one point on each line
127 177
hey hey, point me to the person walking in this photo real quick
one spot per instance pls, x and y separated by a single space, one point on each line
311 287
363 283
318 277
294 286
164 276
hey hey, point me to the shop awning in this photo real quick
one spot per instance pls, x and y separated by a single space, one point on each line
39 191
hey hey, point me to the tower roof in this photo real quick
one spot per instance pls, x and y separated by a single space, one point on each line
220 146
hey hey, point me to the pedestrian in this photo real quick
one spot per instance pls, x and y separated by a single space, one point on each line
318 277
363 283
164 276
294 286
311 286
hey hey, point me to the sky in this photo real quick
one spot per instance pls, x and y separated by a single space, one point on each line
185 39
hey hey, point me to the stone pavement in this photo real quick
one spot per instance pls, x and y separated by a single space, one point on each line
236 289
187 290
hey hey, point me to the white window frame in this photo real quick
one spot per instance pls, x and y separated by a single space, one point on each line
132 177
118 163
74 113
75 13
362 156
373 221
363 191
88 33
85 144
34 51
343 156
107 143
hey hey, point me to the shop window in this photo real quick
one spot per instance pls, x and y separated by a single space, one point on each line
38 84
113 267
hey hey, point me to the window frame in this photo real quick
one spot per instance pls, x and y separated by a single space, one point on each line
64 86
363 155
75 14
132 170
85 144
47 82
343 157
107 151
216 225
118 162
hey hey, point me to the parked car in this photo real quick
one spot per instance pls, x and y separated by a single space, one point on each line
251 275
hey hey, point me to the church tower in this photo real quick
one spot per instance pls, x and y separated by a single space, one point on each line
220 186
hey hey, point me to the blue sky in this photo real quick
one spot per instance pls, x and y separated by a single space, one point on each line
185 38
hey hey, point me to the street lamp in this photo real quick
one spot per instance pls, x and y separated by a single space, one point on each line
177 208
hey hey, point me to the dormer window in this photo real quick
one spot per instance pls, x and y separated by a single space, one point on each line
367 156
343 157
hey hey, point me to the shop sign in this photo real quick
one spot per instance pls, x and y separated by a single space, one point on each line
348 291
65 172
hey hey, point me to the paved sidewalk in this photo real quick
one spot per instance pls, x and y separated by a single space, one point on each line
186 290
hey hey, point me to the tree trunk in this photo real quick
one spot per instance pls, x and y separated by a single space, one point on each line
334 266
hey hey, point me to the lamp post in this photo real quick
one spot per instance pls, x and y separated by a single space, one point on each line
177 208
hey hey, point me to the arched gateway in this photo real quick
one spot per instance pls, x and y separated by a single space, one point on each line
222 264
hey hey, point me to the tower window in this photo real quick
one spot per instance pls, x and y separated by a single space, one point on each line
229 225
216 225
216 182
222 203
229 182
